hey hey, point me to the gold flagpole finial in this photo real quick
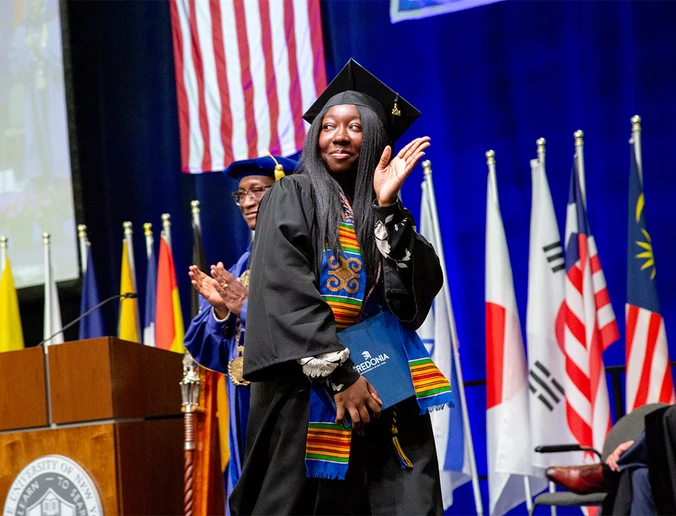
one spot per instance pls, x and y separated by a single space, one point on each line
81 231
194 206
126 225
3 242
490 157
427 167
540 142
635 124
45 238
148 229
166 218
578 135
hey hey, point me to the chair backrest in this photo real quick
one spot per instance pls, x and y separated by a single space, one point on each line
628 427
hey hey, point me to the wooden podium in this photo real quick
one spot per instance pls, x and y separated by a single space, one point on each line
113 407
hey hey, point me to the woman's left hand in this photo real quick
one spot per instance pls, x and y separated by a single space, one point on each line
390 175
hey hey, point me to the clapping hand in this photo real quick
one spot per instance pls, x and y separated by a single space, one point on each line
202 283
229 288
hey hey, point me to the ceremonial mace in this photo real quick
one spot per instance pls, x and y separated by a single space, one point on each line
190 394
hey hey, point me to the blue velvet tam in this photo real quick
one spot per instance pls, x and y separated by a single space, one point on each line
263 166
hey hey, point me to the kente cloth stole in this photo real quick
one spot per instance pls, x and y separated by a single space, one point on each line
343 278
342 285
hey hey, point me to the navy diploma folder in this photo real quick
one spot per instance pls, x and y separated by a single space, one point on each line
377 349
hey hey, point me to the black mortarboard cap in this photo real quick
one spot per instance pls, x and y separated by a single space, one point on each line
354 84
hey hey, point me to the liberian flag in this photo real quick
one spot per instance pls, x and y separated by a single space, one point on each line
245 73
168 317
590 327
648 368
507 423
546 307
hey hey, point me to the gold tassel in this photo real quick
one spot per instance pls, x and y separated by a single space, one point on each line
279 170
404 461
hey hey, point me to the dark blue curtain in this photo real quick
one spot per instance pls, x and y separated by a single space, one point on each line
498 77
494 77
127 141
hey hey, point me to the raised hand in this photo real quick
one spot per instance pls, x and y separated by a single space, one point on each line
229 288
204 287
390 175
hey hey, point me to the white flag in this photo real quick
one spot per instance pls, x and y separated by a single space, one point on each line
546 360
453 446
507 423
52 318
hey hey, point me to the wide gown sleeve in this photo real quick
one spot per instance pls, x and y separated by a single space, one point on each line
206 339
287 319
412 276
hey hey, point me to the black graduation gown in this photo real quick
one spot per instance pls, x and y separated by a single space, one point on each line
288 320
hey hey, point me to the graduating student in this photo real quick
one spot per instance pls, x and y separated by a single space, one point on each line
215 337
334 247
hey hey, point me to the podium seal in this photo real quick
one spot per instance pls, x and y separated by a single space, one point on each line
53 485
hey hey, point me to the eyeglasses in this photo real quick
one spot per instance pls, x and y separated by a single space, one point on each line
255 194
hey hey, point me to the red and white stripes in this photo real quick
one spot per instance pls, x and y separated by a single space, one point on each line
648 371
245 73
590 327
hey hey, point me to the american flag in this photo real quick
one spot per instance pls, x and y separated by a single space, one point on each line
245 73
589 327
648 369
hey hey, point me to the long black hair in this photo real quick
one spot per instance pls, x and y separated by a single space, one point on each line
327 190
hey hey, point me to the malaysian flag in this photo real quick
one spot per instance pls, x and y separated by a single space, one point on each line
648 371
245 73
589 328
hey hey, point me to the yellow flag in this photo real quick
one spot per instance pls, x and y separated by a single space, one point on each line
127 328
223 419
11 334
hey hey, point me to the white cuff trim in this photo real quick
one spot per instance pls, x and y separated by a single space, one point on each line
213 312
323 365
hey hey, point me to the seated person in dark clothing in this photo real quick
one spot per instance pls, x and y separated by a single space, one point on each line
634 474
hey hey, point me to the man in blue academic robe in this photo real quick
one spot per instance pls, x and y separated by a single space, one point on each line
215 337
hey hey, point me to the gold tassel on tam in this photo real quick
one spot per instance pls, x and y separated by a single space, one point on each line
403 459
279 170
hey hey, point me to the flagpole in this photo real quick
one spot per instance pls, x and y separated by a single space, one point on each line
540 142
490 161
84 244
128 237
148 233
3 253
427 167
529 496
166 228
48 329
195 209
579 160
636 142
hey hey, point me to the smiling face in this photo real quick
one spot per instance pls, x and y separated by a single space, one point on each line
251 190
340 138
